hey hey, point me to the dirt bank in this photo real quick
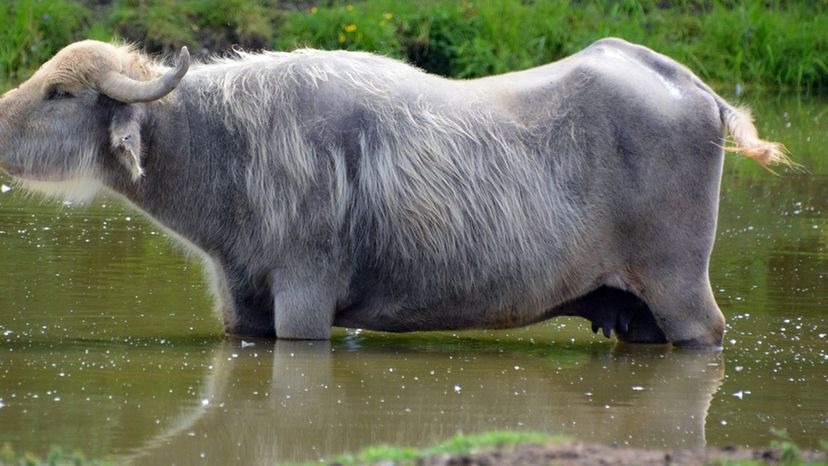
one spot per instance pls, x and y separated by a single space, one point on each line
578 453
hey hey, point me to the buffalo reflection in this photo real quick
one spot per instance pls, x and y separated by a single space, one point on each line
299 401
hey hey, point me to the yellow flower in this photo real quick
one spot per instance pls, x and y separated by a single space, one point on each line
350 28
349 7
389 16
341 38
314 10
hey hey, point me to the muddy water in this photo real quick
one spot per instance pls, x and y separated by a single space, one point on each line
108 345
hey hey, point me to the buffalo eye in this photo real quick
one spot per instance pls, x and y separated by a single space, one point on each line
56 93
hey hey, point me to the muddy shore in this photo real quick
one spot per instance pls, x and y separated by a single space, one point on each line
577 453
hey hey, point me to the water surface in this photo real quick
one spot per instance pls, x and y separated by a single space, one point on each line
108 344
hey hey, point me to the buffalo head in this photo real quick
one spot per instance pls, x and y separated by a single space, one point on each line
80 110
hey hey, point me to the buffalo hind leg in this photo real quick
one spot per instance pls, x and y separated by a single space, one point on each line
303 305
684 307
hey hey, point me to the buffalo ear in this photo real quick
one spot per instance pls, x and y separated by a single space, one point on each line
125 138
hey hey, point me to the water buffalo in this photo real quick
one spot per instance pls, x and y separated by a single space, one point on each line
339 188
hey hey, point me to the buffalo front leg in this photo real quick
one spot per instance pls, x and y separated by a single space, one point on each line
252 314
247 311
303 304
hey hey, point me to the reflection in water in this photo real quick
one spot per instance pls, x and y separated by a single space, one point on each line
299 401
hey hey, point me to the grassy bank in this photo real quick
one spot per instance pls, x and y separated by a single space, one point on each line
458 445
496 448
773 44
527 448
56 457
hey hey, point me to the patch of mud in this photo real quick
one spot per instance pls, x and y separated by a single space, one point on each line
578 453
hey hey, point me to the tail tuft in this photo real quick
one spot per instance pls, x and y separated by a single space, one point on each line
739 124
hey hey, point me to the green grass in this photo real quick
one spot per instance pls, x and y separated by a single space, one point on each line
209 25
783 46
55 457
33 30
771 44
458 445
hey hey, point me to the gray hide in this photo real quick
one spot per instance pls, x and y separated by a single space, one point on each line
342 188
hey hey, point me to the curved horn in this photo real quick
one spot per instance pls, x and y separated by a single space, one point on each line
128 90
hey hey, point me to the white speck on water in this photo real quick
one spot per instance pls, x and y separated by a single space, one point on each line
821 335
5 188
235 355
723 422
246 344
457 389
738 368
606 406
637 388
203 455
740 394
190 434
205 402
2 404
